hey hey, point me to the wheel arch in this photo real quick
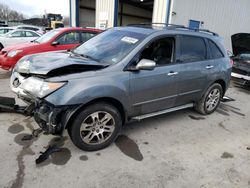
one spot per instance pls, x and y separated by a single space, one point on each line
112 101
223 85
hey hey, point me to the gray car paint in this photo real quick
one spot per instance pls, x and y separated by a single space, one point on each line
144 91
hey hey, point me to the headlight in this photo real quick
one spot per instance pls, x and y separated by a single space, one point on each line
13 53
39 87
23 65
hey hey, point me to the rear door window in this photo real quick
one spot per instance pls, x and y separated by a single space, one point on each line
192 49
31 34
214 50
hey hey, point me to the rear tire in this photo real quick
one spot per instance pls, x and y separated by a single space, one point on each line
95 127
210 100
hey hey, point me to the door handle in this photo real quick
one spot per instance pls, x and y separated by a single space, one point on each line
209 67
172 73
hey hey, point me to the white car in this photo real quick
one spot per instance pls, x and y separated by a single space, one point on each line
17 36
31 27
4 30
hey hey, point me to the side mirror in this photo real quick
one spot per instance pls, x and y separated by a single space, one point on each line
54 43
146 64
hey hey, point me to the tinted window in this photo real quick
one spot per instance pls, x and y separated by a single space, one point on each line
215 51
30 34
69 38
87 36
192 49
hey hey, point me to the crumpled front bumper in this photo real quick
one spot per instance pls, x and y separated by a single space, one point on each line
52 119
16 81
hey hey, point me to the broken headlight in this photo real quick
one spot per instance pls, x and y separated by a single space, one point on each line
23 65
39 87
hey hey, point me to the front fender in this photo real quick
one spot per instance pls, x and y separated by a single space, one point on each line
81 92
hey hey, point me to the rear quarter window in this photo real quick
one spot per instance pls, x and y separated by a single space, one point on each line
214 50
192 49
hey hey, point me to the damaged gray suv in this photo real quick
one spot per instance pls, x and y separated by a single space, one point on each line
123 74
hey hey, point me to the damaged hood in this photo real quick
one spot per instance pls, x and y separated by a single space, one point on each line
241 43
55 64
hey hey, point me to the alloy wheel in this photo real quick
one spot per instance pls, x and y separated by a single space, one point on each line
97 127
213 99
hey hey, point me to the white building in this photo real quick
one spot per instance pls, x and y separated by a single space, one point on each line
226 17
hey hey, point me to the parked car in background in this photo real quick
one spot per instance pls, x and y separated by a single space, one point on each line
31 27
55 40
241 58
123 74
4 30
17 36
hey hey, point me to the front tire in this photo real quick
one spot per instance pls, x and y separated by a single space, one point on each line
210 100
95 127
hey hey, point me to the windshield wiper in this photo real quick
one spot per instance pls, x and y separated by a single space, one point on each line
85 56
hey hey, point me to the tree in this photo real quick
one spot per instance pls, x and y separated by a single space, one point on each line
8 14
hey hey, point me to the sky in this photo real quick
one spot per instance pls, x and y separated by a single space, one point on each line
38 7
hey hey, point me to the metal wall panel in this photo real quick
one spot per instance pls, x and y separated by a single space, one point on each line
160 11
73 13
105 6
225 17
87 13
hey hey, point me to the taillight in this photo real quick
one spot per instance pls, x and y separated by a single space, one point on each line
231 62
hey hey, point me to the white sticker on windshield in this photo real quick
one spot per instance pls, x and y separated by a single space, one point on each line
129 40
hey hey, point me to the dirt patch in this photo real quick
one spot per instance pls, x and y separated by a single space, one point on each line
223 127
62 157
196 118
83 158
23 142
15 128
227 155
129 147
225 108
58 141
18 182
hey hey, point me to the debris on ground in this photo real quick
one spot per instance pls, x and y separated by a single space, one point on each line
227 99
27 137
45 155
37 132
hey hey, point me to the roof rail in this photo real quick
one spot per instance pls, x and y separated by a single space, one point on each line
151 24
174 26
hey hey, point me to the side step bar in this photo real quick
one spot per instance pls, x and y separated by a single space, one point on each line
138 118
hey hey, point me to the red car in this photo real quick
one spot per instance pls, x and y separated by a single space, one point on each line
58 39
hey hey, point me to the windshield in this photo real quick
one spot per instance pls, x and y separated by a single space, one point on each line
111 46
46 37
